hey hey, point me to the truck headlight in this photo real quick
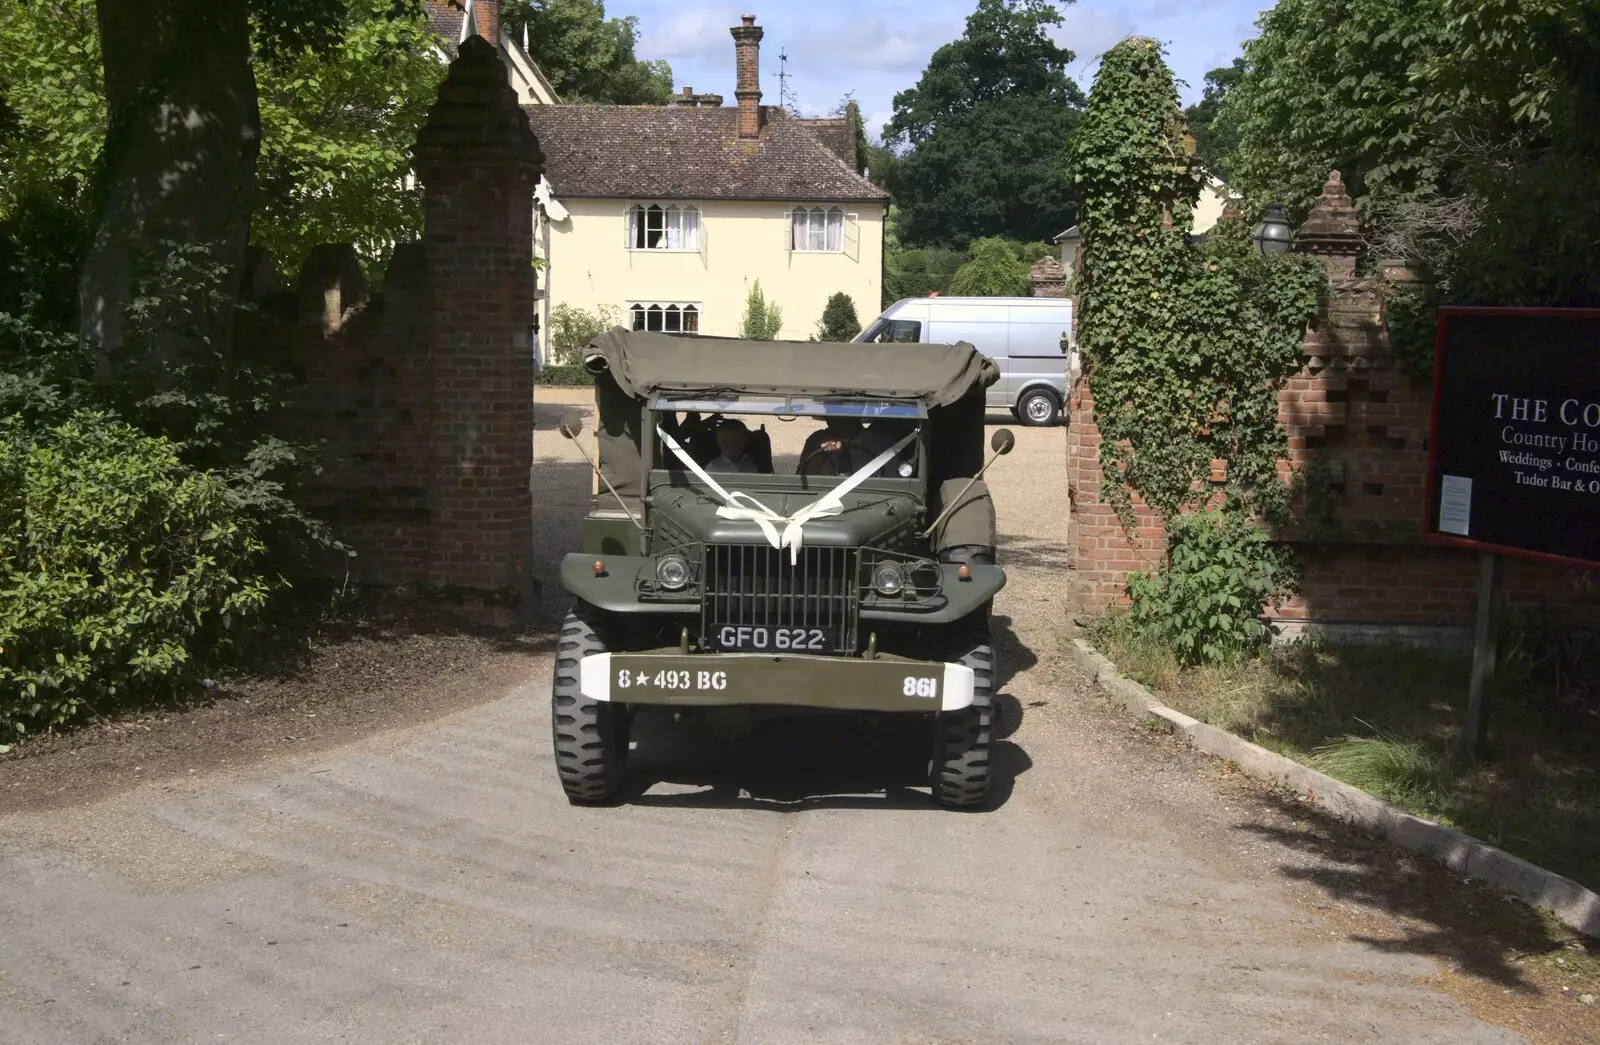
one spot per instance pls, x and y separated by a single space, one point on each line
672 572
889 579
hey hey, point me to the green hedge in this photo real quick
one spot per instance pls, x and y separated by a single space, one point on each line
122 570
565 375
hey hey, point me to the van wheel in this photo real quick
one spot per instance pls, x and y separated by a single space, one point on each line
1039 408
590 736
959 773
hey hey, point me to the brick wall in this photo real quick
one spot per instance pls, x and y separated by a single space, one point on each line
1101 553
421 397
363 362
1353 407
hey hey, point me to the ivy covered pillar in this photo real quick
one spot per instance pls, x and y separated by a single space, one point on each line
478 162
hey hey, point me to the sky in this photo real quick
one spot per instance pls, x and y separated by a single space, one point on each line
874 48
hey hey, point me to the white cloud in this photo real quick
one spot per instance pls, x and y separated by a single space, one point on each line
684 33
874 124
868 44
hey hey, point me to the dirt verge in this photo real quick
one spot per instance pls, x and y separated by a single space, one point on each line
374 668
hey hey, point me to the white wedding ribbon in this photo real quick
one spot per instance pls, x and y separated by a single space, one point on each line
741 505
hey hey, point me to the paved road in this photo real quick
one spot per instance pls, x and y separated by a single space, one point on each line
432 885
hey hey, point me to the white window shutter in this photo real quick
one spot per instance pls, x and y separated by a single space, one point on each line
627 227
852 236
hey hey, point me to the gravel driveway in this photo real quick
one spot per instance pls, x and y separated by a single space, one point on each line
431 884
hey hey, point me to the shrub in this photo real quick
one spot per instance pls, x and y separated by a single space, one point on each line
839 322
762 319
918 273
572 328
122 570
565 375
1028 253
1206 600
994 271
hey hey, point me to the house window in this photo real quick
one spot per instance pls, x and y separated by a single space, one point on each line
657 227
816 229
669 317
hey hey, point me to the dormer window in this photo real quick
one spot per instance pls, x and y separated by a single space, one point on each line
819 229
656 226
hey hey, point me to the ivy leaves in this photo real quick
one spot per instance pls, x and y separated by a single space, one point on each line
1186 348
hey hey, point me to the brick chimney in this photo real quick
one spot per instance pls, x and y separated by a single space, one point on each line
747 75
486 20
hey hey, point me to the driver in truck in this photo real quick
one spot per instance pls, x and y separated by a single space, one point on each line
828 450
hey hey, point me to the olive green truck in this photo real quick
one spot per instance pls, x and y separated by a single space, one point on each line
856 577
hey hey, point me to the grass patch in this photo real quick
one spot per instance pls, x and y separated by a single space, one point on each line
1389 720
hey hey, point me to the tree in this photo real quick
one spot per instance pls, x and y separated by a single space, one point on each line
587 56
1214 136
839 322
881 163
985 130
337 128
994 271
1330 84
1467 132
52 126
1520 86
762 319
182 138
52 113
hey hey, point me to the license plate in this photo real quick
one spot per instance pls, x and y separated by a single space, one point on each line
745 638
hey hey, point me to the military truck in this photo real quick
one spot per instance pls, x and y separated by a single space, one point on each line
860 579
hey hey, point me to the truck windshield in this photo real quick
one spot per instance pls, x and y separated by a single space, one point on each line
791 435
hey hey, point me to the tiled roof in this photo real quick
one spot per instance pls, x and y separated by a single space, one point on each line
445 21
688 152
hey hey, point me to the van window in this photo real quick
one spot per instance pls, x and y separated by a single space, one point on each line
887 330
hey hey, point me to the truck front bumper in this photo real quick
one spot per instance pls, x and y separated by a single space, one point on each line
797 680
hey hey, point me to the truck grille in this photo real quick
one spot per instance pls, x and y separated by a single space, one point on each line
757 586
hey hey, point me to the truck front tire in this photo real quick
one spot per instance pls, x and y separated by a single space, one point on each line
959 773
591 736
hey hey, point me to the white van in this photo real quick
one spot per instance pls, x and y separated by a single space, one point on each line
1023 335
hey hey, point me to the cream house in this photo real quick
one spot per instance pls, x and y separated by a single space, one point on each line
664 217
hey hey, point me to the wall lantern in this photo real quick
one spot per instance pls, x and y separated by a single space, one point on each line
1274 234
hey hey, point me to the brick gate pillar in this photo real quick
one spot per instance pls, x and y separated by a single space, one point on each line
478 163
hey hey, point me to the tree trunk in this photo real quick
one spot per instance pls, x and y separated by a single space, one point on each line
180 156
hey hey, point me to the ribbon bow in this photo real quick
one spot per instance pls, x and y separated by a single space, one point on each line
741 505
